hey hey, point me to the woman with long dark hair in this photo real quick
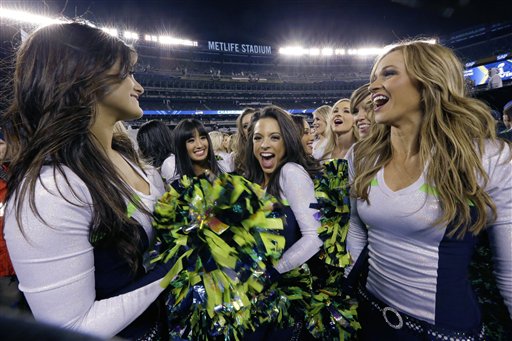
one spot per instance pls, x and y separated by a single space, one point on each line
276 160
194 150
156 146
242 125
78 218
307 137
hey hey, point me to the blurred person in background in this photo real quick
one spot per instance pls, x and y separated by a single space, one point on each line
305 131
156 147
341 132
507 120
321 126
226 143
495 80
360 107
223 158
242 125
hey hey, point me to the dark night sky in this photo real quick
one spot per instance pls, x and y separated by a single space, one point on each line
283 22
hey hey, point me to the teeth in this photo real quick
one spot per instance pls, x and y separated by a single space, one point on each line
379 98
267 154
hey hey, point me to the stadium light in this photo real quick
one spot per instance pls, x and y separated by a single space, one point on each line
327 51
293 51
39 20
430 41
22 16
314 51
369 51
149 37
111 31
168 40
131 35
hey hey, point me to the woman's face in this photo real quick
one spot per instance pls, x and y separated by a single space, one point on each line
395 96
507 122
342 120
307 139
246 121
319 124
122 103
268 145
226 142
361 117
3 150
197 147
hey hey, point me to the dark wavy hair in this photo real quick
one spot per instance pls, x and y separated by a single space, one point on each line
184 131
292 143
299 122
61 72
242 141
155 142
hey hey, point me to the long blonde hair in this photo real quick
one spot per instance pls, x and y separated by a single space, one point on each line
331 135
323 111
451 142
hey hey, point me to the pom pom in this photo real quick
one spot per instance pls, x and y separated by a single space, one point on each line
221 235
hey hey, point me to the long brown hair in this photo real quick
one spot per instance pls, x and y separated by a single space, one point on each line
452 135
293 146
242 141
60 74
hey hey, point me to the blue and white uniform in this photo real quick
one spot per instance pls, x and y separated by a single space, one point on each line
69 282
414 266
298 191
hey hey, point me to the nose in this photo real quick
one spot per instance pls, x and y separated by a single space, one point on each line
199 143
374 86
264 143
138 88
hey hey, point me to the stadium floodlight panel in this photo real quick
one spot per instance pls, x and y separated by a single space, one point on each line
314 51
131 35
327 51
168 40
293 50
369 51
26 17
111 31
149 37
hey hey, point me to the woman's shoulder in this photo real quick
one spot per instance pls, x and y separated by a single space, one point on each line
496 149
293 173
56 183
168 167
170 160
293 168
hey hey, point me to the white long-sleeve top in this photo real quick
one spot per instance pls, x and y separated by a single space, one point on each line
414 266
55 264
298 190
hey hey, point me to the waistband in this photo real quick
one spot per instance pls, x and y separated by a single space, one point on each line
398 320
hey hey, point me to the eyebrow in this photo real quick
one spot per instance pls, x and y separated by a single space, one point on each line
388 66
